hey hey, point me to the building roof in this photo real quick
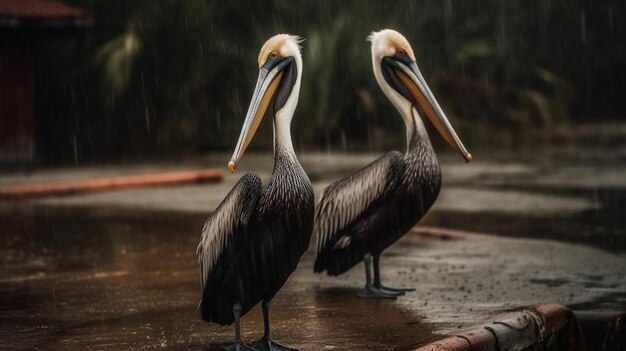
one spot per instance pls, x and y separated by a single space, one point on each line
41 13
38 8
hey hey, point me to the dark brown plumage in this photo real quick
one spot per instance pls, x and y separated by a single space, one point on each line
254 240
409 186
272 231
361 215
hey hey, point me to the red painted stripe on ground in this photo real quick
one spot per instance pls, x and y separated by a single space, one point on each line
109 183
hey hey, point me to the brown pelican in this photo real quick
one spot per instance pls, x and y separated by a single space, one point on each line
254 239
361 215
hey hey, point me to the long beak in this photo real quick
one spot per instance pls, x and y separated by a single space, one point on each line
413 80
266 87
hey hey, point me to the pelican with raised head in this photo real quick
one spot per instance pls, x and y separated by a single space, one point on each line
254 239
360 216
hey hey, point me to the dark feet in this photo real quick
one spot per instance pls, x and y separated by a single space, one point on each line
393 290
270 345
370 292
238 347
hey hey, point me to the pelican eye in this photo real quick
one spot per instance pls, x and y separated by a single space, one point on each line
272 60
400 52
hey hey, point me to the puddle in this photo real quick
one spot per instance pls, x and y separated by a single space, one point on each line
80 279
77 274
603 227
98 278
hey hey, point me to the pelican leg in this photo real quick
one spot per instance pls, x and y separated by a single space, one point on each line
379 285
370 291
266 343
238 345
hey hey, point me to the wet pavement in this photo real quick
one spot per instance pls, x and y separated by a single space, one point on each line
574 194
78 280
117 270
101 279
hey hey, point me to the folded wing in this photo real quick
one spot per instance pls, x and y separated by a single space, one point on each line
349 199
227 225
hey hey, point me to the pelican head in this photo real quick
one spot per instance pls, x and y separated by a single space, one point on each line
397 74
280 69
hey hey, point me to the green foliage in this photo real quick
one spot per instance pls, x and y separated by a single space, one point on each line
117 58
176 76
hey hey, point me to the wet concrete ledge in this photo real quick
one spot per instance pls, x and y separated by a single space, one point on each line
540 326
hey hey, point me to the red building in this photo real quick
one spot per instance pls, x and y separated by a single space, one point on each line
24 23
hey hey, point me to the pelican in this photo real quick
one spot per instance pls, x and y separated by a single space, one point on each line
361 215
254 239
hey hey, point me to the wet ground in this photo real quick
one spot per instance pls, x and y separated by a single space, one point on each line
117 270
92 279
78 280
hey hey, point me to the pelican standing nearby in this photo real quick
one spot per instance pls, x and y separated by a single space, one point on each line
360 216
254 239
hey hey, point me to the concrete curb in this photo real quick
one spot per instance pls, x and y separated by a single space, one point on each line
109 183
542 326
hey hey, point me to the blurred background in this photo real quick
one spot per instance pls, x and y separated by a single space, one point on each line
100 91
120 80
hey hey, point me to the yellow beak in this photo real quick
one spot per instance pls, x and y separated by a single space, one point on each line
412 79
265 89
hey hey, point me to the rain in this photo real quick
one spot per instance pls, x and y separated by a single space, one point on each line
118 120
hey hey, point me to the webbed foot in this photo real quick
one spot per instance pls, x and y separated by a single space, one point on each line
269 345
238 347
394 290
370 292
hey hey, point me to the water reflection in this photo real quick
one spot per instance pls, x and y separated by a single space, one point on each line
76 273
77 279
602 227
